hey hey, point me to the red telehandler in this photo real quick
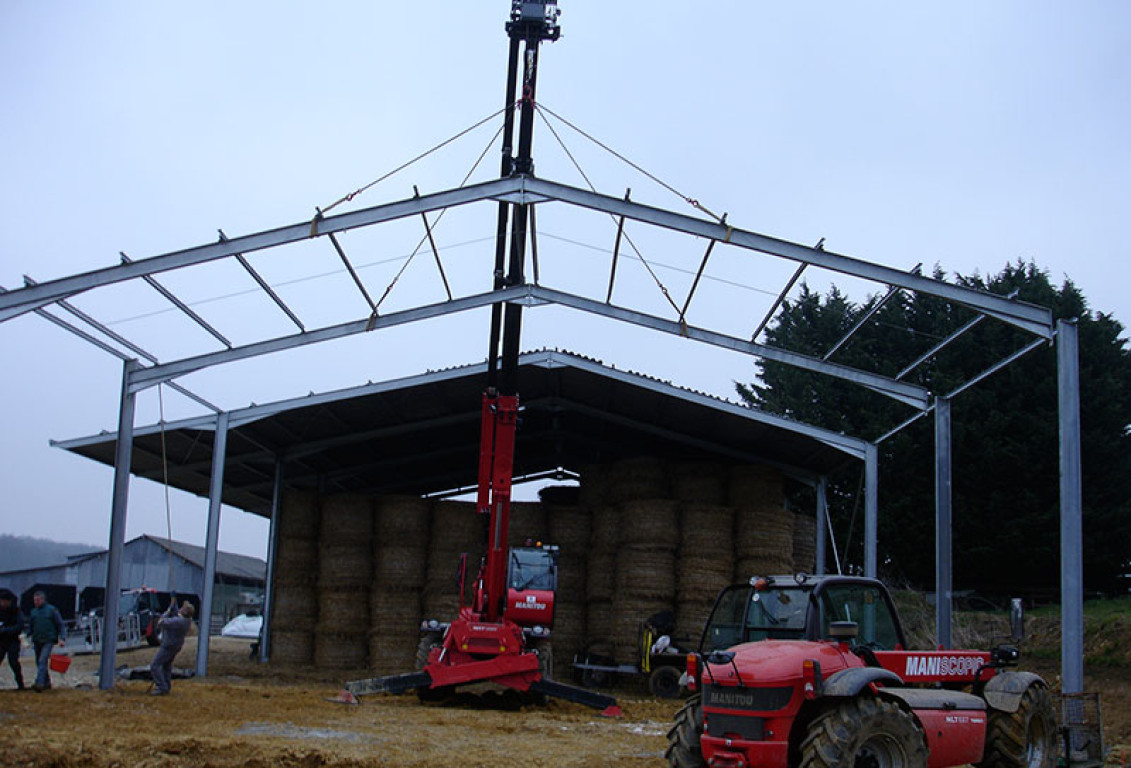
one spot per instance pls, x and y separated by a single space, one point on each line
503 636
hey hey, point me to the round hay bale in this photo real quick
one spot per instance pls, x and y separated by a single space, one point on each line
703 527
628 614
458 525
594 485
291 645
701 578
638 478
341 650
747 567
599 621
691 616
347 518
394 607
650 523
762 527
440 605
804 542
568 635
568 527
345 565
646 574
298 515
295 606
701 482
343 610
393 649
755 484
296 561
560 495
572 576
605 525
600 581
402 567
527 524
401 521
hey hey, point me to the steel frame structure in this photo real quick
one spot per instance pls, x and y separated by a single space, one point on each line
523 189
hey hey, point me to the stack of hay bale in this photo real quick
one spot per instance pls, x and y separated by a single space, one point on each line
400 555
645 565
345 572
295 599
457 528
705 564
763 526
568 527
527 524
805 542
600 577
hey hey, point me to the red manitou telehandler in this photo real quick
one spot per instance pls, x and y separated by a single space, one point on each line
812 671
503 636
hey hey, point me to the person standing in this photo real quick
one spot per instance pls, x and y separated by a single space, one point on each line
45 628
172 629
11 627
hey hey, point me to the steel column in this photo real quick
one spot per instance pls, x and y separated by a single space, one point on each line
944 525
211 544
272 550
871 506
1071 510
122 457
822 523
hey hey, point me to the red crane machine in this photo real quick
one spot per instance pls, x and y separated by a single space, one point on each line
503 636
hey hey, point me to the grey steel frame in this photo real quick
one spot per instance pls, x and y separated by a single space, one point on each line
528 190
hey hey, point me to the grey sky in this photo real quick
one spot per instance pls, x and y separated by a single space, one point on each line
964 134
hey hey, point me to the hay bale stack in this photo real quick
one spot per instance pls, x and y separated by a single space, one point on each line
702 482
340 650
805 542
568 527
298 515
638 478
346 518
345 558
645 584
395 617
755 484
706 557
343 610
594 489
457 528
400 556
527 524
650 524
599 627
604 541
763 526
295 597
691 617
569 634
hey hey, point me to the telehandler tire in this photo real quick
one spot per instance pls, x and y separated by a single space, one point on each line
684 749
1026 738
428 641
864 733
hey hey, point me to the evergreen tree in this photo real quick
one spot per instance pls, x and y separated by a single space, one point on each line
1004 431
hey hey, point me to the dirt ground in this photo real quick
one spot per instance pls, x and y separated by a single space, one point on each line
247 714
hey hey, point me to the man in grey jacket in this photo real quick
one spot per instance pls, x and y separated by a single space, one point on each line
172 628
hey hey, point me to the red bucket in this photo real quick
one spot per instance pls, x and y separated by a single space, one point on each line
59 663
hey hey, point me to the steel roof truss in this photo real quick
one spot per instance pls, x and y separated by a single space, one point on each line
176 302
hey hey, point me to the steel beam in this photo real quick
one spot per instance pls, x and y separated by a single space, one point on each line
822 513
910 394
940 346
777 302
1071 510
181 305
862 322
212 541
26 299
118 507
1032 318
944 526
272 552
871 508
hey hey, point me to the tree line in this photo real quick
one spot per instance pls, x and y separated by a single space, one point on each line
1005 444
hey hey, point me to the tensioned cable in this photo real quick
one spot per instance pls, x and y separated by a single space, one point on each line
421 156
639 255
165 477
689 200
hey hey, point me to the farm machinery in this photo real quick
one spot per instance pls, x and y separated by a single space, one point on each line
812 671
503 636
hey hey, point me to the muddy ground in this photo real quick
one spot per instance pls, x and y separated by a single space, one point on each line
246 714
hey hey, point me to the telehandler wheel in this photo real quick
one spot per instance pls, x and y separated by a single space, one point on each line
864 733
1025 738
545 652
684 749
664 682
428 641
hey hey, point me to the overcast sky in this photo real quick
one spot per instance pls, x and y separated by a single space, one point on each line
964 134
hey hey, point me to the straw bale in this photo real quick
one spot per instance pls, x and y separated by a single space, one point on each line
701 578
699 481
298 515
341 650
606 531
295 605
804 541
572 576
568 527
403 567
394 607
457 525
638 478
650 523
290 645
392 650
296 561
344 565
645 574
527 524
601 575
346 518
705 528
343 610
691 616
599 621
401 521
628 613
769 565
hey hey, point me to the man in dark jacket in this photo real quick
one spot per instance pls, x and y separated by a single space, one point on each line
11 627
173 629
45 628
